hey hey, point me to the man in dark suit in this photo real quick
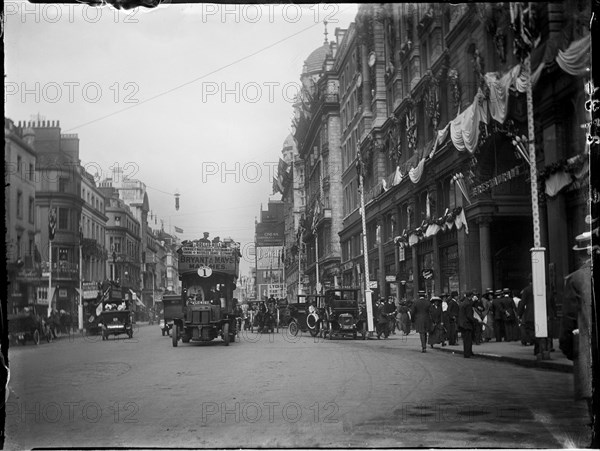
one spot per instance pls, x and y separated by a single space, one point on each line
466 324
452 318
498 311
421 316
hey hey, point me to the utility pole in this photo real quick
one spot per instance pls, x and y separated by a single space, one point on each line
368 292
524 43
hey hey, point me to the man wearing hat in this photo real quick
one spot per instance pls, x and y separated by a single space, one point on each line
452 318
421 317
575 341
466 324
498 312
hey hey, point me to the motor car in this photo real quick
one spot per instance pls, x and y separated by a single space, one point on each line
26 327
116 322
343 316
304 315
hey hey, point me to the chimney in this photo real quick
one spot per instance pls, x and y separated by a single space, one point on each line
339 35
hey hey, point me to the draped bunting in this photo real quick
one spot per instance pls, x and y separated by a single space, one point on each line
556 182
464 129
416 172
461 220
576 59
499 87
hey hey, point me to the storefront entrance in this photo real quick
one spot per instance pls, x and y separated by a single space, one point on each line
511 241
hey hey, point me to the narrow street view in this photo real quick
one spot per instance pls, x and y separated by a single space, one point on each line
299 225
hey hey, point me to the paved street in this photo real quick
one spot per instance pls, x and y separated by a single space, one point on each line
279 391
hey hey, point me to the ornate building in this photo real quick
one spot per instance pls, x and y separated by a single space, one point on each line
433 97
317 132
447 191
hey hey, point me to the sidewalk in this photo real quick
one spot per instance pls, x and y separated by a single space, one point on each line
511 352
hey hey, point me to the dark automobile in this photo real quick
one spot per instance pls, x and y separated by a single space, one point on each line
343 315
305 315
25 327
116 322
172 308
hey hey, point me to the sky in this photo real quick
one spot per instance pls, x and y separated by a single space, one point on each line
188 98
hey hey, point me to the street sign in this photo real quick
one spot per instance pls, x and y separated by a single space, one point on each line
204 271
372 284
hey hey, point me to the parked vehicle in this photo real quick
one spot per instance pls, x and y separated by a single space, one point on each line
208 273
304 315
343 316
26 327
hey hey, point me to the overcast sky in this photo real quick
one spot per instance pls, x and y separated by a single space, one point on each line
174 95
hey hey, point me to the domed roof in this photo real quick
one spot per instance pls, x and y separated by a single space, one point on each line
314 62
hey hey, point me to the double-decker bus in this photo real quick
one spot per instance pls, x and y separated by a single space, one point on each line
208 271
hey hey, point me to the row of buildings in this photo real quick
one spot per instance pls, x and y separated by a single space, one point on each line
102 227
431 97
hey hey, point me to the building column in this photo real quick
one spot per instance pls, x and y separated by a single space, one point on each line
485 252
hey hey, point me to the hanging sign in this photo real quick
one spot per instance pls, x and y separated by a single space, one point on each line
427 274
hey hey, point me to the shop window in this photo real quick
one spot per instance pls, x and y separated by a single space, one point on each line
448 279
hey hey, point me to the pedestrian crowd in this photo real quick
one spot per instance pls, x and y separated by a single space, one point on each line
500 315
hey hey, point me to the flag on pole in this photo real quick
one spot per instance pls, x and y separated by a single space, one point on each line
51 223
177 229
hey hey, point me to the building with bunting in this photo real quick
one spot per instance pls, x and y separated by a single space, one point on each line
433 96
23 260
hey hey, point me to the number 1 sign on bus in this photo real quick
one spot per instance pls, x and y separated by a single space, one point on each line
204 271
